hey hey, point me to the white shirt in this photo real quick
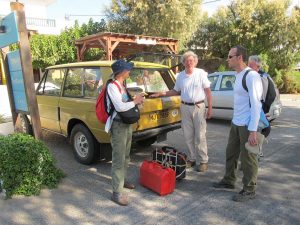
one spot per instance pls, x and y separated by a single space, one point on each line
243 113
119 100
192 86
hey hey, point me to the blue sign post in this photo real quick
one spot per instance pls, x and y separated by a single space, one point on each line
17 81
9 34
20 82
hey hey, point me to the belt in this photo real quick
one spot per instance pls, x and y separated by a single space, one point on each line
189 103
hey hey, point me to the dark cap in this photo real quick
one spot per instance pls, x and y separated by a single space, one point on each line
121 65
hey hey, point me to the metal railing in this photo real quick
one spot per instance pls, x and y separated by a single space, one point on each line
40 22
31 21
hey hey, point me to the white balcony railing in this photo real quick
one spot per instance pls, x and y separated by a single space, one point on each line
39 22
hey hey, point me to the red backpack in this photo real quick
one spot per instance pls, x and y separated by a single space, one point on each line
102 111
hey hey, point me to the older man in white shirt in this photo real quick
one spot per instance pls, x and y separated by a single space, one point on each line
246 114
193 87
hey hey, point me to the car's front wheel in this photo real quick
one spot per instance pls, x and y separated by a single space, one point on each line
84 145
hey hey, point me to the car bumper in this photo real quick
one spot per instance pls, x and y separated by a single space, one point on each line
140 135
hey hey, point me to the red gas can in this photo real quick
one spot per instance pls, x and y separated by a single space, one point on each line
157 177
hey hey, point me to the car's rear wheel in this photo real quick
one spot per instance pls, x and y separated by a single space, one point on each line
84 145
147 142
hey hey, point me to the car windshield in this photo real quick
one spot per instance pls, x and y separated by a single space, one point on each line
147 80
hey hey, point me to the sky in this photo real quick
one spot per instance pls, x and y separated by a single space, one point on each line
82 10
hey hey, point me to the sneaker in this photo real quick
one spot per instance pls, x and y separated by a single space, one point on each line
119 198
190 164
129 185
222 184
244 196
202 167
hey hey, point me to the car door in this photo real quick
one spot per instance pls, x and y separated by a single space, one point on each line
224 97
48 96
222 94
78 99
214 83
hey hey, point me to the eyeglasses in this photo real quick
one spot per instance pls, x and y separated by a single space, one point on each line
230 56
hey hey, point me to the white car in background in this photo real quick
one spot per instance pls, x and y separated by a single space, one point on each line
222 94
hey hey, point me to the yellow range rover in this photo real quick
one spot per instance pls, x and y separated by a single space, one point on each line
67 96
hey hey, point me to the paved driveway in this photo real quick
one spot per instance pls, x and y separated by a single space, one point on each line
83 196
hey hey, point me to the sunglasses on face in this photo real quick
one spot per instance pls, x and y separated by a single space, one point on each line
230 56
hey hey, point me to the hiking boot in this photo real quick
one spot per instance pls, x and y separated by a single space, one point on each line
202 167
222 184
129 185
119 198
190 164
244 196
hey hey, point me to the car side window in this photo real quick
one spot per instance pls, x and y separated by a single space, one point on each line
51 83
213 81
93 82
83 82
227 83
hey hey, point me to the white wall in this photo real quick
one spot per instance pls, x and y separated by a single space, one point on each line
35 9
4 102
38 11
4 8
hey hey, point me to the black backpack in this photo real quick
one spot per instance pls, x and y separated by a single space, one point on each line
269 90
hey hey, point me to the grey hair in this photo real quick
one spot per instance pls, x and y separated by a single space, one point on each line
256 59
188 54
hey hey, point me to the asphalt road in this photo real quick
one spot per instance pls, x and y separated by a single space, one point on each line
83 196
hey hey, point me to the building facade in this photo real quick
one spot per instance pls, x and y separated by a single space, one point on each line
37 21
36 16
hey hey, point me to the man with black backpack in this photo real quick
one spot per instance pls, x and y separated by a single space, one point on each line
246 116
269 89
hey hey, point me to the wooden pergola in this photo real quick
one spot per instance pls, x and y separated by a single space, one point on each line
117 45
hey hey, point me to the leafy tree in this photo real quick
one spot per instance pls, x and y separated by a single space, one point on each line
172 18
44 50
262 26
92 27
49 50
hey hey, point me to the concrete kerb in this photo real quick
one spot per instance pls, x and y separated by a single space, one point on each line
6 128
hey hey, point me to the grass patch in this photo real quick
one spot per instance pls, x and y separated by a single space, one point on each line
296 76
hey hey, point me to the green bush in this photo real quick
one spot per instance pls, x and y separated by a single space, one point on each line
222 68
26 166
296 76
286 81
